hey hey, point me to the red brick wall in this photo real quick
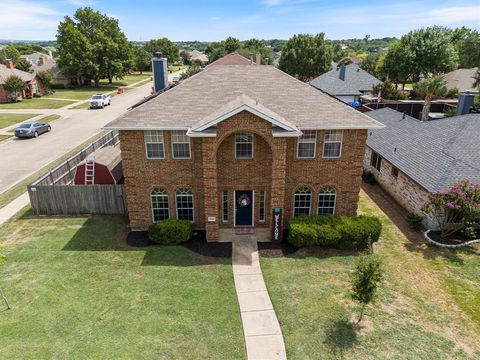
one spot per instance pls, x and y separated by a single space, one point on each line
213 169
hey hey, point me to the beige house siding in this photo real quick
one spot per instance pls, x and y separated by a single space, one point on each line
404 190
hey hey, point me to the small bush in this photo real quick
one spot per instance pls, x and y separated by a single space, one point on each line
414 221
170 231
368 177
340 232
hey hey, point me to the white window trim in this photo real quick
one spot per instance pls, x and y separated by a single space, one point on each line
193 205
311 197
148 142
264 206
235 145
330 142
308 142
334 203
151 204
189 147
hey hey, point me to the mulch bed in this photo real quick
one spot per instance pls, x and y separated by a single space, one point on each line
197 244
455 239
276 249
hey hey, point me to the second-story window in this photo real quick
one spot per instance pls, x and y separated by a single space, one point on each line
154 144
307 144
243 145
180 145
332 144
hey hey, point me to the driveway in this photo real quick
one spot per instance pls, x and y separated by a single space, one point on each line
22 158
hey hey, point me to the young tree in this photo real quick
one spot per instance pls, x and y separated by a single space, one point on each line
395 65
11 53
232 44
306 56
143 58
428 88
22 64
12 85
365 280
191 70
164 46
252 47
215 50
186 57
45 78
369 64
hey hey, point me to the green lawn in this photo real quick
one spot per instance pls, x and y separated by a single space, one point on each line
36 103
77 292
428 307
5 137
12 119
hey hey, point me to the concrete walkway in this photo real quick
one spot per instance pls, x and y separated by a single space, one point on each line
13 207
263 336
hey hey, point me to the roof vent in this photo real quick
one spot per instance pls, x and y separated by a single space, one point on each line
403 115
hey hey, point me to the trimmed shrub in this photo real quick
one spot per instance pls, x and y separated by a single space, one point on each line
335 231
170 231
414 221
368 177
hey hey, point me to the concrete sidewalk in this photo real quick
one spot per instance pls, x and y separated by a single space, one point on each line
9 210
263 336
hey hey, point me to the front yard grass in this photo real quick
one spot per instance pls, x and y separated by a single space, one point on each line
12 119
428 307
77 292
37 103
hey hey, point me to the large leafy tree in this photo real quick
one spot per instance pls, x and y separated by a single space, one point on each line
215 50
306 56
232 44
467 42
12 85
428 88
92 46
11 52
396 64
45 78
142 58
164 46
429 51
252 47
369 64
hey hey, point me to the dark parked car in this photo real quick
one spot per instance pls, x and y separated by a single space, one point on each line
31 129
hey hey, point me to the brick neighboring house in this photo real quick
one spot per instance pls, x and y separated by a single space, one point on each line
231 143
411 158
43 62
31 84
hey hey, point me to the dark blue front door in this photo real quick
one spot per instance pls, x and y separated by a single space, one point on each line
243 207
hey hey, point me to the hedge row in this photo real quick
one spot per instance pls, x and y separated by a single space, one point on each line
170 231
335 231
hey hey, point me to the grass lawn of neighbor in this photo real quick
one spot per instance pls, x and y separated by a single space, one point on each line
12 119
37 103
428 306
4 137
77 291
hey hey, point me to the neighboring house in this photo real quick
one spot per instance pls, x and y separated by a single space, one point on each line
227 147
32 87
198 56
346 83
411 158
232 59
462 79
43 62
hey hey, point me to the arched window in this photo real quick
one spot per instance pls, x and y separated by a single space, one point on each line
184 198
160 209
326 201
302 201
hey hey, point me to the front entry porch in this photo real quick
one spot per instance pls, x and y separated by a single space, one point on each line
259 235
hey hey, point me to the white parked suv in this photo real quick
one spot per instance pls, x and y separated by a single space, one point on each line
100 101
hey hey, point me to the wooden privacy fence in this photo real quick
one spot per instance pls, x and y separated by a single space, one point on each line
55 194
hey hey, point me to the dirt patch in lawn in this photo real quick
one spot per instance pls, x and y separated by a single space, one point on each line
454 239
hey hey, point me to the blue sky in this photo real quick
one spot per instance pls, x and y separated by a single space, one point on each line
215 20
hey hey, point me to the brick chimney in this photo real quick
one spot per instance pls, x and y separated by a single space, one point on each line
41 60
9 63
258 59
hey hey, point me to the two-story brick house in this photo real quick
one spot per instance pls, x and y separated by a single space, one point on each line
233 142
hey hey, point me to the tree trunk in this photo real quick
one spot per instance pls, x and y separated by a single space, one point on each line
110 77
361 313
426 108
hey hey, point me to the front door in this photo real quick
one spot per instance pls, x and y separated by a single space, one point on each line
243 208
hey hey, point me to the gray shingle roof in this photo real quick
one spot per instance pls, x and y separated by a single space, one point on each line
462 79
356 81
201 95
433 153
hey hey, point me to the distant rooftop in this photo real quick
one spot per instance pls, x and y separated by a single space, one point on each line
232 59
462 79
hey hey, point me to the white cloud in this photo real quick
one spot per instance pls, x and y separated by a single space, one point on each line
82 2
454 14
28 20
